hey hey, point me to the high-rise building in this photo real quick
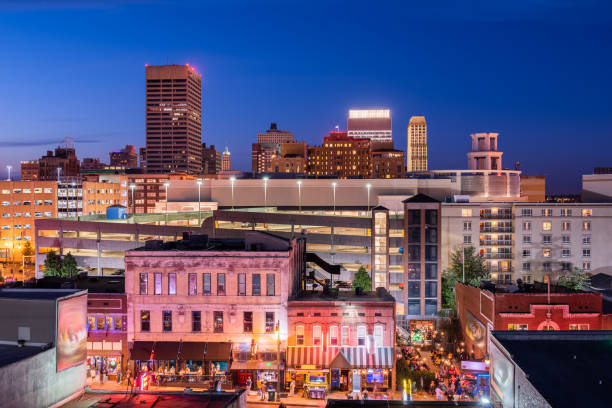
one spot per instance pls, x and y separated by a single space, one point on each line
211 160
373 124
126 158
291 159
386 161
416 151
341 156
173 119
29 170
268 145
62 161
226 160
143 159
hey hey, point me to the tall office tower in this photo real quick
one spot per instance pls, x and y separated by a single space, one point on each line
268 145
416 151
142 152
211 160
174 119
484 154
373 124
226 160
126 158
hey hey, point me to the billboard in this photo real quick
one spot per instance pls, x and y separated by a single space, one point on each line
502 377
71 344
475 331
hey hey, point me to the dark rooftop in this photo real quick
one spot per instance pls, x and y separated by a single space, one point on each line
601 281
156 399
36 294
342 403
381 295
253 241
521 287
10 354
420 198
569 368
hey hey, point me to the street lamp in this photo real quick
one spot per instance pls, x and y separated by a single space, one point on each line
299 183
369 187
265 181
133 187
334 184
199 182
166 184
9 167
59 170
278 378
232 180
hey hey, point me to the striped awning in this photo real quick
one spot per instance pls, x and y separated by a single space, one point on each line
299 356
358 357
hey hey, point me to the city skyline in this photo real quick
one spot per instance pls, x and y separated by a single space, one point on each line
521 98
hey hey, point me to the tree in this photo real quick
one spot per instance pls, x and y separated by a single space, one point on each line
69 266
27 249
53 264
362 279
475 271
576 280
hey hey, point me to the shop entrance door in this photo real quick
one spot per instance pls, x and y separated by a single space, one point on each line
356 381
335 379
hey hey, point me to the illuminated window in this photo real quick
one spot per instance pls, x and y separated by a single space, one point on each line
143 283
361 336
118 323
378 336
220 284
167 320
193 284
345 332
145 320
586 266
172 283
316 335
247 323
100 323
269 322
587 212
466 212
547 212
586 226
546 252
566 225
299 335
333 335
218 322
516 326
578 326
566 212
548 327
527 226
546 226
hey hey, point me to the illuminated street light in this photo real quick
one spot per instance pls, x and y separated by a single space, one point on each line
199 183
299 183
166 185
265 181
232 180
133 187
9 167
334 184
369 187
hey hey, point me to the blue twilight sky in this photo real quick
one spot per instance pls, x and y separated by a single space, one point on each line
538 72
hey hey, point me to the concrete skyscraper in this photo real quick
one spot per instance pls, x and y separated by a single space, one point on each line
373 124
226 160
416 150
173 119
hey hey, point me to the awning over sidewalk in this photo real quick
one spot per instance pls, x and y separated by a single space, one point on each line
218 351
188 350
141 350
299 356
356 357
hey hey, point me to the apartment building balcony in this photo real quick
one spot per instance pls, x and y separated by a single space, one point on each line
497 256
495 216
499 242
496 229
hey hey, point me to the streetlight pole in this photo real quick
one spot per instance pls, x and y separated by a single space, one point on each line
232 180
278 382
334 184
166 185
199 182
133 187
9 167
463 261
369 187
299 183
59 170
265 180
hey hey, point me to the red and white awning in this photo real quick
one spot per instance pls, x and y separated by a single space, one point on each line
358 357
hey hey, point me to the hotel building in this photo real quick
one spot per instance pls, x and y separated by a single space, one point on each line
372 124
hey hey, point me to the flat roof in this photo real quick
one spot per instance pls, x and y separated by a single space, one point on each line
576 361
36 294
10 354
155 399
341 296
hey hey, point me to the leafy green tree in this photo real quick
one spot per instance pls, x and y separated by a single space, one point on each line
576 280
362 279
475 271
69 266
27 249
53 264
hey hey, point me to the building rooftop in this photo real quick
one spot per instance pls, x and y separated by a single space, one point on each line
157 399
10 354
381 295
526 288
576 361
36 294
94 284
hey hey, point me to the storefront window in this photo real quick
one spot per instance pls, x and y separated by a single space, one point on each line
193 284
241 284
196 321
248 322
167 320
378 336
299 335
101 323
118 323
270 284
145 320
172 283
269 322
109 323
333 335
91 322
220 284
206 283
345 333
316 335
361 336
158 283
218 322
143 283
256 284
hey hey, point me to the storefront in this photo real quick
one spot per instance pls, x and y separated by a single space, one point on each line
110 365
358 369
421 331
258 371
308 368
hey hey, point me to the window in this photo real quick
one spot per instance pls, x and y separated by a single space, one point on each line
566 252
548 327
526 212
256 284
218 322
546 239
467 226
526 253
516 326
527 226
546 252
466 212
157 277
566 266
333 335
566 212
526 266
345 332
566 239
270 284
586 266
145 320
196 321
118 323
378 336
431 289
586 226
247 322
361 336
172 283
586 240
143 283
299 335
526 239
566 225
193 284
316 335
269 322
467 239
547 212
547 267
167 320
241 284
206 283
586 212
586 252
546 226
220 284
577 326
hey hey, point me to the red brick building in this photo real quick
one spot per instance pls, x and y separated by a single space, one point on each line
482 310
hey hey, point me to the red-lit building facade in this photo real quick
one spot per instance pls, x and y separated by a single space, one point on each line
480 311
343 342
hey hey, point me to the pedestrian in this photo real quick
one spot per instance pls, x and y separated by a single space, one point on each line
292 387
249 384
439 394
364 394
101 376
264 388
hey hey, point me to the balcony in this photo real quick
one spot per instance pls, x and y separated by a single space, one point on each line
498 242
497 256
496 216
496 229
